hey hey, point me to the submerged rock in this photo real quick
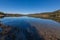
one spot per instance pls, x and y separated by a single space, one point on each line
19 33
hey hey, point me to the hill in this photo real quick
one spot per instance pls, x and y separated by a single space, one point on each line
48 15
1 14
9 15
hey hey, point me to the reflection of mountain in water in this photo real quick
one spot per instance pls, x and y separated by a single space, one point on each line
26 28
20 33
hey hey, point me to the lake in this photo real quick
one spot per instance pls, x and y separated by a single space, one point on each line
31 28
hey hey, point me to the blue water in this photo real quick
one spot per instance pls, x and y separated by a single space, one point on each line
27 27
22 21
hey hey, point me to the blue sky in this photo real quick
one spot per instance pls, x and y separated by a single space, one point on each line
29 6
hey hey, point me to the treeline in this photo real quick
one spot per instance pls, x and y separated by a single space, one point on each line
9 14
1 13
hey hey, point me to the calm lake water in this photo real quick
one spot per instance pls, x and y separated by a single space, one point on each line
26 23
20 21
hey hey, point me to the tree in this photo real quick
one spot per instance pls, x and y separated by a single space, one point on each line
1 13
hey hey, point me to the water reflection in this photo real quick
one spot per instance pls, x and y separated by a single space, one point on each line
20 30
29 28
15 21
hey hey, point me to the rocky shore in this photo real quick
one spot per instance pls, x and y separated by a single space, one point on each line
15 33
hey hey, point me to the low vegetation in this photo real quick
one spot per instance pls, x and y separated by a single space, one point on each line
48 15
9 15
1 14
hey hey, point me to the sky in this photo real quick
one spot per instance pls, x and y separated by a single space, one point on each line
29 6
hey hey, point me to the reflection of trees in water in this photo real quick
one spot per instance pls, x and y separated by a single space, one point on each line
20 33
1 17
